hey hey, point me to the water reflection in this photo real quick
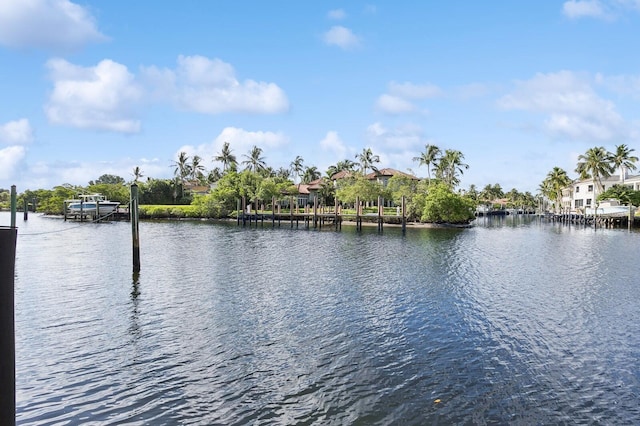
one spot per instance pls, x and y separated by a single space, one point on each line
511 321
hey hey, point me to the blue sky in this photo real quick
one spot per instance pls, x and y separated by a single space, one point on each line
95 87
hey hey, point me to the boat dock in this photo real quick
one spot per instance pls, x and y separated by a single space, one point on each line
119 214
319 217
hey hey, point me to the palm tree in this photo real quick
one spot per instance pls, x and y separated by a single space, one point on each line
367 159
182 168
137 174
226 157
346 165
556 180
310 174
596 164
429 157
623 160
197 169
283 173
254 160
296 167
214 175
449 166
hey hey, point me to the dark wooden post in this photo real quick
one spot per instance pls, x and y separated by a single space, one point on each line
291 210
315 211
8 237
380 214
135 234
404 215
13 206
273 212
26 209
244 208
238 211
358 224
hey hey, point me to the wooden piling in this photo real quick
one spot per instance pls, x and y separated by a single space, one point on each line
26 209
13 206
135 234
8 238
380 213
404 216
315 212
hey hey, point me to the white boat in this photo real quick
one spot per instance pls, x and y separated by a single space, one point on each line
610 208
91 203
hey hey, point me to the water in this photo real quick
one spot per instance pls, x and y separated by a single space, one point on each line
512 321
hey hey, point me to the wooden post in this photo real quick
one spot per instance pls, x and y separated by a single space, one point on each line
133 213
65 210
238 202
380 214
404 216
26 209
13 206
315 211
358 224
291 210
244 208
273 212
8 237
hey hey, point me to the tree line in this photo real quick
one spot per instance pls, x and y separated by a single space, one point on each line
436 198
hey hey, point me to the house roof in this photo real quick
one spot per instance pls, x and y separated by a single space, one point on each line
303 188
342 174
389 173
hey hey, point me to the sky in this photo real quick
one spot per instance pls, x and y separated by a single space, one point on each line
100 87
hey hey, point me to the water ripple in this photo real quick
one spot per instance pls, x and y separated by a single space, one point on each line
498 324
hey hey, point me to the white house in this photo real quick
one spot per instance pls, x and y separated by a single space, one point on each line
582 193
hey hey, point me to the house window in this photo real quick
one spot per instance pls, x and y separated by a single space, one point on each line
579 203
590 188
577 190
588 201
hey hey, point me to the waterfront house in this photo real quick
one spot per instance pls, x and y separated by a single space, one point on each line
582 193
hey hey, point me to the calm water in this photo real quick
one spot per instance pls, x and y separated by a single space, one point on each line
508 322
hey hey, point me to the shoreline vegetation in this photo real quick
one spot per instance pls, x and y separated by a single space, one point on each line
197 193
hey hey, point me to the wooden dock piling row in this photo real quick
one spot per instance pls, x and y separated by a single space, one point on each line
316 216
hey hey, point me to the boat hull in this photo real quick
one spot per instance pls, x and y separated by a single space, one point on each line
90 207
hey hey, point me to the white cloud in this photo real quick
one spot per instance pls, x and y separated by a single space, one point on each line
99 97
394 105
573 108
626 85
16 132
401 138
401 97
341 37
334 144
240 141
599 9
10 159
414 91
210 86
337 14
48 24
583 8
